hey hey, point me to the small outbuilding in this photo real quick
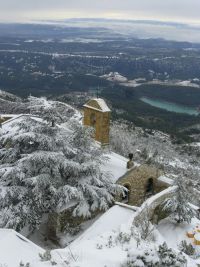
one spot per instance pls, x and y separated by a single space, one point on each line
141 183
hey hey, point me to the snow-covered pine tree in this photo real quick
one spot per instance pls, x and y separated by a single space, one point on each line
51 111
150 256
144 226
168 257
44 166
187 248
178 205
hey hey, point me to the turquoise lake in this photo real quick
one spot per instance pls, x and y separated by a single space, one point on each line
170 106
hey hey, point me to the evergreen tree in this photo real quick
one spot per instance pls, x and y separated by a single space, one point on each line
178 205
44 166
187 248
168 257
51 111
163 256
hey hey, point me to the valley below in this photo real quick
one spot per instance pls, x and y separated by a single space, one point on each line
154 83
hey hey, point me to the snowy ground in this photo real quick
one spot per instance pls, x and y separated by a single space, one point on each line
82 252
98 246
173 234
92 248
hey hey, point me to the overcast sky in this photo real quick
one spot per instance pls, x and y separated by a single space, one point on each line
167 10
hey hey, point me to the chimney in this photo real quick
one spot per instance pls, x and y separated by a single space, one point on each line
130 163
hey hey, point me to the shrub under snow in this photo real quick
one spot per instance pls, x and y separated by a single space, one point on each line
152 257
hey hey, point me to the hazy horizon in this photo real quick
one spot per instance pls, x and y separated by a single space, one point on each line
173 19
175 31
171 11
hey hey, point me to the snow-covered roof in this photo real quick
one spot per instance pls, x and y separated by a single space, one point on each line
101 105
15 248
115 165
110 221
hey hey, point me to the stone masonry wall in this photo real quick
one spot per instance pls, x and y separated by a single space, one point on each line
137 180
65 222
102 124
150 206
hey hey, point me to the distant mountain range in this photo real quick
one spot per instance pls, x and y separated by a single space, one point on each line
126 28
138 28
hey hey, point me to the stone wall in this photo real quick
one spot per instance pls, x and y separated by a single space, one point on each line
64 221
4 119
153 205
137 179
101 124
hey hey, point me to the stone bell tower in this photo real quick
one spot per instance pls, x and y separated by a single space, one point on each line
97 115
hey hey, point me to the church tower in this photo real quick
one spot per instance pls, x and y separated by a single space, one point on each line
97 115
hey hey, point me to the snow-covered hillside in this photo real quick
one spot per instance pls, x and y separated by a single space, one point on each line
10 97
10 104
50 162
155 147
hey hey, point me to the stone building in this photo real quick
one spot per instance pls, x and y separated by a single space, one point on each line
97 115
141 183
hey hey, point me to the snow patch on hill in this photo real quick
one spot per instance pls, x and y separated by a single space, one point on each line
115 76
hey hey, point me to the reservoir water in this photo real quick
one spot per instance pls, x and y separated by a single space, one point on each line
170 106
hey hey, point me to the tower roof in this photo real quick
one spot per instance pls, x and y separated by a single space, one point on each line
97 104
